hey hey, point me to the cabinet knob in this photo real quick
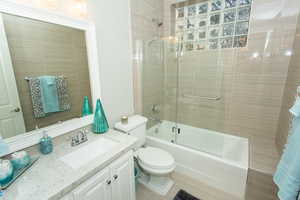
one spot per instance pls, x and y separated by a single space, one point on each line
108 182
115 177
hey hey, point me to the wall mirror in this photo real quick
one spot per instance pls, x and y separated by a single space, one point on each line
47 66
46 74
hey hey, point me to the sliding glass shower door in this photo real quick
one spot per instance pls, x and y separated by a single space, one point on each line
182 93
159 86
199 99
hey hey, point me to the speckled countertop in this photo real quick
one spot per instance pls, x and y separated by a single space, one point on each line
50 178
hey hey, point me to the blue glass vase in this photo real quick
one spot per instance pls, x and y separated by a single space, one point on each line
86 107
100 124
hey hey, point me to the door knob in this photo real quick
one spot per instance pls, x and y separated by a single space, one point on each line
108 182
16 110
115 177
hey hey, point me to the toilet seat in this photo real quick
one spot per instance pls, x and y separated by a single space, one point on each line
155 160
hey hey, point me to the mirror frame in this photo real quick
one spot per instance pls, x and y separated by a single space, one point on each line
31 138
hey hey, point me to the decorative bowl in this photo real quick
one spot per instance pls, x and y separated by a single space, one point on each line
20 159
6 171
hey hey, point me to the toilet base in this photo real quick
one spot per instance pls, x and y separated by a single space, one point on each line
159 184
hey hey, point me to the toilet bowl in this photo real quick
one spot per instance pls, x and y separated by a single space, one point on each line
155 164
155 161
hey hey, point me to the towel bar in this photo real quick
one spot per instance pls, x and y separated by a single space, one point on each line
201 97
28 78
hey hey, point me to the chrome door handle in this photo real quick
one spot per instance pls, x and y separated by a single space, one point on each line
16 110
115 177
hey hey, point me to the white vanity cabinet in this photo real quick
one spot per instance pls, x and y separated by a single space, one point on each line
116 182
122 175
97 187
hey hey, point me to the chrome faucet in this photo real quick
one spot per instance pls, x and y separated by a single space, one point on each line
79 138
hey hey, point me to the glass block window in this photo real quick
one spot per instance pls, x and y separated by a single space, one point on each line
213 24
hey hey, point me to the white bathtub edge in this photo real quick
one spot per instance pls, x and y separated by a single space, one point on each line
181 169
236 189
199 152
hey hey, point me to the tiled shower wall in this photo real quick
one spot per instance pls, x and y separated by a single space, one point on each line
145 18
253 82
293 81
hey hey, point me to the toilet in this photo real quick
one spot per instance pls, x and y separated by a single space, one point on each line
155 164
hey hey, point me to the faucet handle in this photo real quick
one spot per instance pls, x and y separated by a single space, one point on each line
83 134
73 141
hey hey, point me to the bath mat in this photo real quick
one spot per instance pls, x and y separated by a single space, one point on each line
183 195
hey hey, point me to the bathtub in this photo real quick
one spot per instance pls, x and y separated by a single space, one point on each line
216 159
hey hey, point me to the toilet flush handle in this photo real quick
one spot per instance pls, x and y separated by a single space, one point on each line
108 182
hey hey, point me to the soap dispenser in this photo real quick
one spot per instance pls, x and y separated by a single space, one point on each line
46 145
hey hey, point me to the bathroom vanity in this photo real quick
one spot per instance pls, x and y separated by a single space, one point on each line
71 174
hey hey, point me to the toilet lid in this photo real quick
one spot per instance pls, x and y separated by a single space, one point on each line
156 158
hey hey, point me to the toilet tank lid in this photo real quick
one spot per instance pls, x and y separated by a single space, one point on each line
133 122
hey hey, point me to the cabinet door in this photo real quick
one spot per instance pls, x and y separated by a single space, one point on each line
122 175
11 115
96 188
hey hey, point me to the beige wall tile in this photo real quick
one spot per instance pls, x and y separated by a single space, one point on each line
144 17
293 80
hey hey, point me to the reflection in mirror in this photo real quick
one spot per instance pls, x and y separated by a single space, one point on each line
44 74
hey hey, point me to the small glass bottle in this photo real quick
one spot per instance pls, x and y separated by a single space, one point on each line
86 107
46 145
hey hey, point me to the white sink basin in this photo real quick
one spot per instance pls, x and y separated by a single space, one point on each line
87 153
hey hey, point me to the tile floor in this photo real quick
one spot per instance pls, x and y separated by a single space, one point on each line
192 186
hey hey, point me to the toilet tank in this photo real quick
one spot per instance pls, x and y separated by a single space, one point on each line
136 127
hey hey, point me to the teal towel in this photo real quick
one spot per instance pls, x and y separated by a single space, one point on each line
287 175
49 94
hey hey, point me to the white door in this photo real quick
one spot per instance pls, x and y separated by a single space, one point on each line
122 175
11 116
96 188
